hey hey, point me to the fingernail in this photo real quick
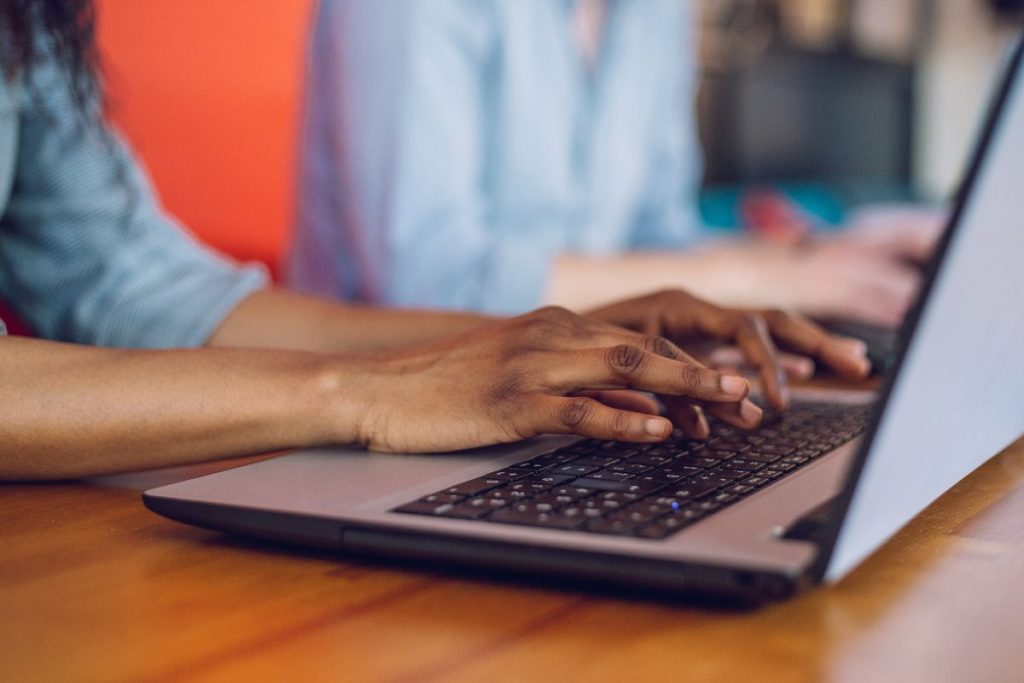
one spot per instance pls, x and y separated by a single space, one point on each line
703 428
785 396
735 385
656 427
750 412
857 346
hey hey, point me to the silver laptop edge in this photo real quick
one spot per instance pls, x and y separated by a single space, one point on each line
342 498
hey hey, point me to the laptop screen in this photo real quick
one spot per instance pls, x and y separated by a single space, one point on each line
957 395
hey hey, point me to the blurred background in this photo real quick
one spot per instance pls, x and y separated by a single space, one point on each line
830 103
846 101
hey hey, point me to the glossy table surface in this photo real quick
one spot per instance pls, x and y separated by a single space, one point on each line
95 587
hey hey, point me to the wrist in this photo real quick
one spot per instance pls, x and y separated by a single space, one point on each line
342 389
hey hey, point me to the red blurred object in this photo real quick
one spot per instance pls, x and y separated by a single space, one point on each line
209 94
11 321
770 214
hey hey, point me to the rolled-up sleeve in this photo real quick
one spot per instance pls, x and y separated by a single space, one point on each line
87 254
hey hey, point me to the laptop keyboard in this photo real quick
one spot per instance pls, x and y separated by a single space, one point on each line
648 490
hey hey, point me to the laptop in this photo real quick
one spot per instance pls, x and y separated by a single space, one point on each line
750 516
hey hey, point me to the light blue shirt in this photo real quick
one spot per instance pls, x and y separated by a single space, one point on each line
86 253
454 147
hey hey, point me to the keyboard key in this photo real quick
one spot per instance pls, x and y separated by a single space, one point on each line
609 526
629 467
653 531
758 456
582 511
619 451
618 496
572 469
532 465
543 519
651 509
742 465
663 477
773 449
694 461
421 507
547 479
473 509
574 492
677 468
644 487
601 485
705 505
716 454
440 498
649 460
680 518
608 475
632 515
474 486
551 500
718 477
522 489
595 460
553 458
694 489
510 474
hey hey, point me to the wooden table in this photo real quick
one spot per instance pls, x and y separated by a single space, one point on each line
94 587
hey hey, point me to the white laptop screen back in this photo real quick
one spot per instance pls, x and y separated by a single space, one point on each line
958 397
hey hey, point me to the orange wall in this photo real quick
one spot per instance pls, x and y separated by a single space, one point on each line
209 92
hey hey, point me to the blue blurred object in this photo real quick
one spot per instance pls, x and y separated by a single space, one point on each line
828 206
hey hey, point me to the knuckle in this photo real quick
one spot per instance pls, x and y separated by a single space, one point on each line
625 358
575 412
692 377
553 321
664 295
553 313
620 424
670 294
508 389
753 322
661 346
539 322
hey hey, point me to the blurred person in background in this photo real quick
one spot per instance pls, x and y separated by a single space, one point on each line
494 155
156 351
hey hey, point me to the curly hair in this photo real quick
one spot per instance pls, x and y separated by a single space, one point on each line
69 26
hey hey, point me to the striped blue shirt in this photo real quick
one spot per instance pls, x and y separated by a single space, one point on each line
86 253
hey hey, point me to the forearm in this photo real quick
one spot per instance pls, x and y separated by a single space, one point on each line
71 411
717 272
276 318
